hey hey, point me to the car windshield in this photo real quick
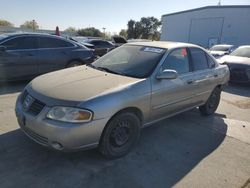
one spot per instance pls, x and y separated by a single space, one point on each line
131 60
242 52
220 48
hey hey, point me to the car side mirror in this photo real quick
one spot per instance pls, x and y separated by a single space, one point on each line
2 48
167 74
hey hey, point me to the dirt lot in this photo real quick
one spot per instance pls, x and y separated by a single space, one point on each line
187 150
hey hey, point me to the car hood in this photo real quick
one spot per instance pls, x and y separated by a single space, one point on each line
78 84
235 60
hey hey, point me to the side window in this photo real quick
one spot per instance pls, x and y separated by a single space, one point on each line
211 63
20 43
199 59
49 42
177 60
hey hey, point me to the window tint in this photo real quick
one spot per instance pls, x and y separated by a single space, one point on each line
199 59
47 42
177 60
211 63
20 43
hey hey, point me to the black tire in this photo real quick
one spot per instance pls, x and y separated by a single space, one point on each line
212 103
120 135
74 64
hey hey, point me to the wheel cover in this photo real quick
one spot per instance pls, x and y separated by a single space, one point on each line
213 101
120 134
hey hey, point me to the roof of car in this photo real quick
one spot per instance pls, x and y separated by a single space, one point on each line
163 44
33 34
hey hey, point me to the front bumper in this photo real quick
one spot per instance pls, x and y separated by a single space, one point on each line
59 135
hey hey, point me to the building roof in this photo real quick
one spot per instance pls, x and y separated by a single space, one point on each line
208 7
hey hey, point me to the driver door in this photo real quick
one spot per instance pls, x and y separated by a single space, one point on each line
175 95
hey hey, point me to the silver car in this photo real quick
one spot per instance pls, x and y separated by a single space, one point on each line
106 104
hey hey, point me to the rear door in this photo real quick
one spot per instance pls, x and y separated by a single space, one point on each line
171 96
19 61
203 71
54 54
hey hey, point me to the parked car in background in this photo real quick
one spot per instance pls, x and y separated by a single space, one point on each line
101 46
221 49
239 64
24 56
118 40
106 103
83 41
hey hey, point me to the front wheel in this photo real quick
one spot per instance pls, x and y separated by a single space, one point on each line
120 135
212 103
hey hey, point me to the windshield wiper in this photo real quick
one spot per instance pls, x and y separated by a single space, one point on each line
108 70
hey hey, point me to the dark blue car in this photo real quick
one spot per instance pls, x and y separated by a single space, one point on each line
24 56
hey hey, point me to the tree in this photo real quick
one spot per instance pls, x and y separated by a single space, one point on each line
71 30
6 23
149 26
130 31
91 31
30 25
146 28
123 33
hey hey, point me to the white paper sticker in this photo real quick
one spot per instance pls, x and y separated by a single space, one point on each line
154 50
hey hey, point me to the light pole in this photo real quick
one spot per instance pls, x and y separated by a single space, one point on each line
33 25
104 32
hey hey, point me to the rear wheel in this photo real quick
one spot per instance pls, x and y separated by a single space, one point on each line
212 103
74 64
120 135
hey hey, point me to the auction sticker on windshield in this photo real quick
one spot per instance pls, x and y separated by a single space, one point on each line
154 50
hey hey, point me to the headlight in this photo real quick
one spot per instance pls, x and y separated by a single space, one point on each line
69 114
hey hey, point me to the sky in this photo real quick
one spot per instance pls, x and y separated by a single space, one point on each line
111 14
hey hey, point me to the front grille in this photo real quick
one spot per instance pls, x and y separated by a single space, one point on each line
35 107
38 138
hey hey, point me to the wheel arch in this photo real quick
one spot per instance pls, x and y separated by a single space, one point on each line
133 110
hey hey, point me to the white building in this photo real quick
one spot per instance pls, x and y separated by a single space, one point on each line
209 25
